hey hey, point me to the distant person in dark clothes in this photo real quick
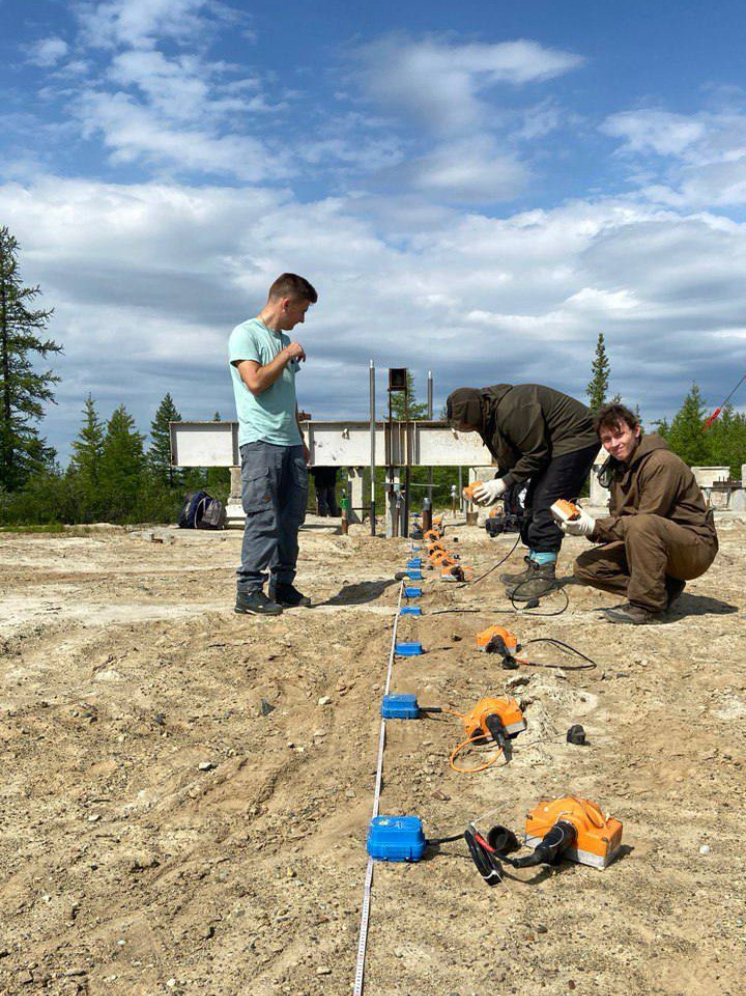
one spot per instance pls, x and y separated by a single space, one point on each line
539 437
325 482
658 534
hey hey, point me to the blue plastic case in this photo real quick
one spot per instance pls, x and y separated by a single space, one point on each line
409 649
400 707
396 838
413 592
411 610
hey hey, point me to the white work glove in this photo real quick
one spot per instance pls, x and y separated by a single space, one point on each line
583 526
489 492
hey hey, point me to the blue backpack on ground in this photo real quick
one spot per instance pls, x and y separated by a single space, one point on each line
201 511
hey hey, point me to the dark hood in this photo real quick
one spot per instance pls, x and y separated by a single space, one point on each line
475 407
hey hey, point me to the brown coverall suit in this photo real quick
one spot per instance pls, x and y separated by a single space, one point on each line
659 528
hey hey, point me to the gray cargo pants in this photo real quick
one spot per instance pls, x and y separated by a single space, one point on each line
274 491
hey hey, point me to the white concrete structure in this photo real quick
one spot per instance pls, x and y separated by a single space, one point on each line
335 444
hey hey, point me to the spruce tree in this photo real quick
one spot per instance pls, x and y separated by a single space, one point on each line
727 440
22 391
159 452
686 436
598 386
84 472
122 468
89 446
414 408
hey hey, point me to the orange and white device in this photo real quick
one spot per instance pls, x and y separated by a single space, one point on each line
441 558
432 535
510 640
598 837
468 491
479 723
565 511
434 546
454 573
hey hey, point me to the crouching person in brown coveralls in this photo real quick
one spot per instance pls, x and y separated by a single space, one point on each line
659 533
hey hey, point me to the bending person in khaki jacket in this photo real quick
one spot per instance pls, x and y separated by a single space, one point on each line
659 533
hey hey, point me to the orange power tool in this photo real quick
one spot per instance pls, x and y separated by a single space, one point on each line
590 838
565 511
498 719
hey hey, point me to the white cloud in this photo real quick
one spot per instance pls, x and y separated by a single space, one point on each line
470 172
441 83
132 131
140 23
48 52
706 154
155 276
655 131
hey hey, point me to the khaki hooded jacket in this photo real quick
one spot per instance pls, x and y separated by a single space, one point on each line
655 482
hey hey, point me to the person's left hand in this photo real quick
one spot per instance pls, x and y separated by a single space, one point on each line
489 492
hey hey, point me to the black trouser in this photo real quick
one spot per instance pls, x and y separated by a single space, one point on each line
563 477
326 500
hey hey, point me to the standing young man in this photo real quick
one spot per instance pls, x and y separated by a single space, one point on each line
659 533
539 437
274 456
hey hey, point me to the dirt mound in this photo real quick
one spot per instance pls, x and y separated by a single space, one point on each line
186 792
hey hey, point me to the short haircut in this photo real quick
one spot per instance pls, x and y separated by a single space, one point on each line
614 416
293 286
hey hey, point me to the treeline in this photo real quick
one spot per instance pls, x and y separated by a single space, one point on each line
116 474
723 444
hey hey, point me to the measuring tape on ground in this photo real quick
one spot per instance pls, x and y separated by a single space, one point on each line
365 913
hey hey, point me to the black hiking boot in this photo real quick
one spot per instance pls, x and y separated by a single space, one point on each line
288 596
517 577
256 604
674 589
541 581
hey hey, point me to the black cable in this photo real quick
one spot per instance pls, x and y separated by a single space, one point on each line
563 646
444 840
493 568
551 588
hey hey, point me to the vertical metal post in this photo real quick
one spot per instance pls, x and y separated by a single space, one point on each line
372 449
461 489
404 518
430 418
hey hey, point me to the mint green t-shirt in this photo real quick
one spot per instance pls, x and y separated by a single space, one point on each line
268 417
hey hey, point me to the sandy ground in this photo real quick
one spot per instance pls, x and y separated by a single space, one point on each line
160 834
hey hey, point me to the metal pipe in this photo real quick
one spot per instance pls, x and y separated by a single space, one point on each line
430 418
372 449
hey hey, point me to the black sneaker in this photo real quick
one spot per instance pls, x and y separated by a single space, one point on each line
632 615
256 604
288 596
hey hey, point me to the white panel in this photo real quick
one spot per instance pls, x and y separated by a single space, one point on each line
332 444
204 444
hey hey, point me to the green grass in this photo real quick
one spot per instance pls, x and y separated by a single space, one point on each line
48 527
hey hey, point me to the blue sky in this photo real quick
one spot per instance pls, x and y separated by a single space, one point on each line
479 189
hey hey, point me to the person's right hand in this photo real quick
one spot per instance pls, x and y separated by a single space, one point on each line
295 351
582 526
